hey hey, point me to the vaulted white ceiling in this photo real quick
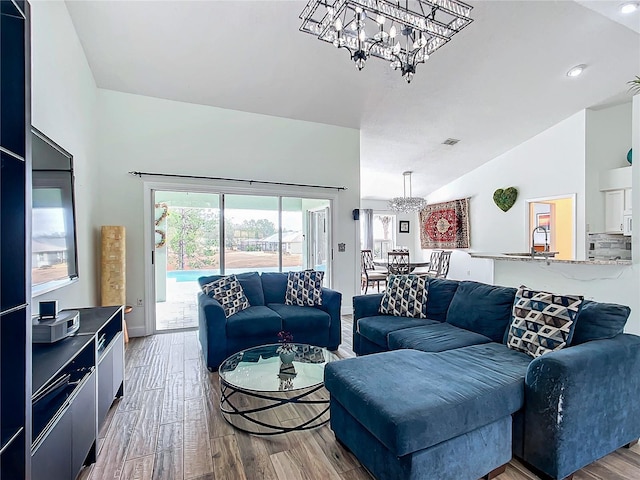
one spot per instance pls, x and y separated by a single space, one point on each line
499 82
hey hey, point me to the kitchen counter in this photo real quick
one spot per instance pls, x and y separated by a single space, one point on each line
523 258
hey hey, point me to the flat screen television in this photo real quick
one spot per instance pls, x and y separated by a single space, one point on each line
54 261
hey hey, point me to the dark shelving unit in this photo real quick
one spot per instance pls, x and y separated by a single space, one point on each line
64 407
15 266
74 383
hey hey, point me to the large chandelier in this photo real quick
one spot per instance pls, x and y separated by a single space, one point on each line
406 204
402 35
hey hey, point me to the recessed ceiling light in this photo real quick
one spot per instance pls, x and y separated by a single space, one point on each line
576 71
628 7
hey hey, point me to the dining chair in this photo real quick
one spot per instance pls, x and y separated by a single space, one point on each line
434 263
398 263
443 268
369 274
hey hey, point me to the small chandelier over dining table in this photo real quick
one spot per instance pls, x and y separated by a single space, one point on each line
406 204
403 35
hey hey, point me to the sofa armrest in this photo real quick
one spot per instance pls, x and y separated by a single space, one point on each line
366 306
332 304
212 327
363 306
582 403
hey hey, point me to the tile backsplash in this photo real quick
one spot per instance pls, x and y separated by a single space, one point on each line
604 246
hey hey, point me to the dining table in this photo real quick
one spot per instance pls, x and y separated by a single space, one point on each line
412 265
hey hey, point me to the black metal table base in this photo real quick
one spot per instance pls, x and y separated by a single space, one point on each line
247 410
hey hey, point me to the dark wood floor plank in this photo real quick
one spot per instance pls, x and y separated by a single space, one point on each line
255 458
168 465
305 461
193 378
170 436
144 437
356 474
340 458
173 400
138 468
197 444
176 358
112 455
227 464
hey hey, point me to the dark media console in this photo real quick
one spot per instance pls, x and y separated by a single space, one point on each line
75 382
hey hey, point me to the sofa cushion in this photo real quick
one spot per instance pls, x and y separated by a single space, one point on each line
376 329
481 308
411 400
405 296
301 319
542 322
230 294
251 284
597 321
274 286
437 337
255 321
304 288
441 292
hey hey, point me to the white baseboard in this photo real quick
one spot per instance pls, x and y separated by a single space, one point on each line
346 310
136 331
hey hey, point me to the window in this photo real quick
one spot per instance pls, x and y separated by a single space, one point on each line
384 228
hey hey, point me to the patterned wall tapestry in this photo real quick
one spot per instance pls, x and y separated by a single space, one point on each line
445 225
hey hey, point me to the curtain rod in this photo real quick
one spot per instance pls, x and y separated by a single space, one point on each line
262 182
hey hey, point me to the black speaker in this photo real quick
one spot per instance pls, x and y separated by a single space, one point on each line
356 214
48 309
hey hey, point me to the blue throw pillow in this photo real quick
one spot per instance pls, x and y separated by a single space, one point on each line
598 320
251 284
405 296
542 322
304 288
229 292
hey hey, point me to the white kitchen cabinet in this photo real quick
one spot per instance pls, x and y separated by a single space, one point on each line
627 201
614 211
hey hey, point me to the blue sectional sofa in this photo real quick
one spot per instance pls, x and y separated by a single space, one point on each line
444 398
259 324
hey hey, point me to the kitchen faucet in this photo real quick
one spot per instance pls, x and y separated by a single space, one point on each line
546 240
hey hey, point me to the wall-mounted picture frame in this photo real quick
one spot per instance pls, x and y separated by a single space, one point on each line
403 226
543 220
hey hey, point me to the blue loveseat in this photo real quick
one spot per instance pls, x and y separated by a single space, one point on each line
444 397
267 315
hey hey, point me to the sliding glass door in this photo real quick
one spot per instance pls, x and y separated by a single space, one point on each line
202 234
187 246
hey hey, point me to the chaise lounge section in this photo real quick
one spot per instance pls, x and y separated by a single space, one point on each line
443 397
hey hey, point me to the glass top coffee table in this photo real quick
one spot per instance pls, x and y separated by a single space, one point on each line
264 396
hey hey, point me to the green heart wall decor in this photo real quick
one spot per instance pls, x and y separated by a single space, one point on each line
505 199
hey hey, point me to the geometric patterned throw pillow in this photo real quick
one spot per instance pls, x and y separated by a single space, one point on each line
405 296
542 322
229 292
304 288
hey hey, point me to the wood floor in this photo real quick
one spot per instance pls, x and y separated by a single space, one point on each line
168 427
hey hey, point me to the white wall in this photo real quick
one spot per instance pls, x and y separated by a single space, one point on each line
154 135
608 137
64 108
549 164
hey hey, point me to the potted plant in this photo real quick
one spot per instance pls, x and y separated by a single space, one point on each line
634 85
287 349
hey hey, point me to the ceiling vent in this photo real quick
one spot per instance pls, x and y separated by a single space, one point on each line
450 141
